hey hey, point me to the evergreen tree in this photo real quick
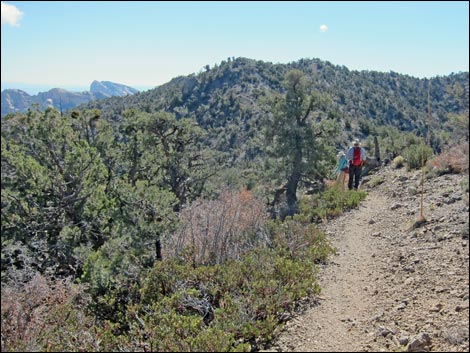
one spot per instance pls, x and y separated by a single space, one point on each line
300 136
54 204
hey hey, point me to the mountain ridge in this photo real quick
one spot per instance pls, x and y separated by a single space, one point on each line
17 100
231 96
242 76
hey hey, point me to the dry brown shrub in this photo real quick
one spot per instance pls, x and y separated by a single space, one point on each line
44 314
454 160
212 231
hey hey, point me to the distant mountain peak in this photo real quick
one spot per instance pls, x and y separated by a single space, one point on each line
15 90
16 100
111 89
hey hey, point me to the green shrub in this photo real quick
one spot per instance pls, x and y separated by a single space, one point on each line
416 156
398 162
413 190
231 307
376 180
330 203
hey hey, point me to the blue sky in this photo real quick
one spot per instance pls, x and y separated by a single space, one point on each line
69 44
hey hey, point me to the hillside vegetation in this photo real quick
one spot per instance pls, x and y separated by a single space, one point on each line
185 218
232 98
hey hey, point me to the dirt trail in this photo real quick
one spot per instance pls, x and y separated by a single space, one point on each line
347 298
388 287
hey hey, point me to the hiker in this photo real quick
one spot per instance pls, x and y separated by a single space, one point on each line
357 158
342 169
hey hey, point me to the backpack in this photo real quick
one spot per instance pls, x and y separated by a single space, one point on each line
357 157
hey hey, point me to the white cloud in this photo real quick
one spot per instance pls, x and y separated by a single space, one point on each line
11 14
323 28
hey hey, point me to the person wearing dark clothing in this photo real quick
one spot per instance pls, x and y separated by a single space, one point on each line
357 158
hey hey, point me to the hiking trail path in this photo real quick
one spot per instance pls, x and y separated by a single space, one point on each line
391 286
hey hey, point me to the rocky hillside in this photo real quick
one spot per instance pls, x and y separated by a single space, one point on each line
234 91
394 285
14 100
230 99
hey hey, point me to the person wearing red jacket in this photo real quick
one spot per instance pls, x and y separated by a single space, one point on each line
356 156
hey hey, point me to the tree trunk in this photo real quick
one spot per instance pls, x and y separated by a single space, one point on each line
372 163
294 179
158 249
291 193
377 150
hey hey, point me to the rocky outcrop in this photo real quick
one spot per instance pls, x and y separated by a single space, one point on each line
110 89
15 100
